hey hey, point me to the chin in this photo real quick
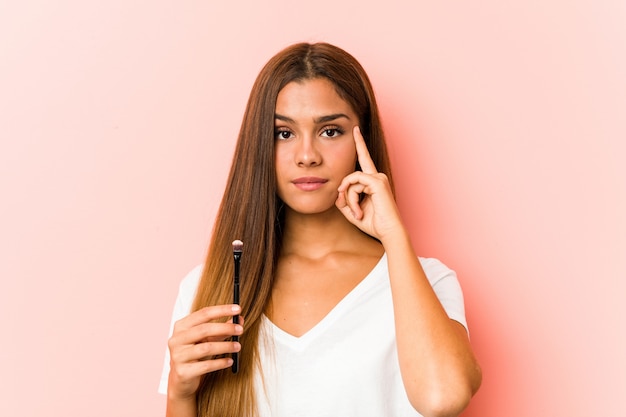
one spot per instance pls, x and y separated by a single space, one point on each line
308 209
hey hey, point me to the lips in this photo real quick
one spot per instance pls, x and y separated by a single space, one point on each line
309 183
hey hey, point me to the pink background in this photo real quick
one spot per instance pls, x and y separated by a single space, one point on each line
507 126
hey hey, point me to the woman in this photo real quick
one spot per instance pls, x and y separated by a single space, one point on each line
341 317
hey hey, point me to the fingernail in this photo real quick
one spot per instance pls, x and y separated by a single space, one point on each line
236 309
238 328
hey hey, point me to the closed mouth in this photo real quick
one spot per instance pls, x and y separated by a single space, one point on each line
309 180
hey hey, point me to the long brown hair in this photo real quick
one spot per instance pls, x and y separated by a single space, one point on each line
250 208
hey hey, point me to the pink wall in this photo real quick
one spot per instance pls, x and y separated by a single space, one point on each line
507 123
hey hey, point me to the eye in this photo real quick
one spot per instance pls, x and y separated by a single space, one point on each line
332 132
283 134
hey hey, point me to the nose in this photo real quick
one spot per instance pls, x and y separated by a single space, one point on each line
307 153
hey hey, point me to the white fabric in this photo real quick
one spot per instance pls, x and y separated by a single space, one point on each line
347 364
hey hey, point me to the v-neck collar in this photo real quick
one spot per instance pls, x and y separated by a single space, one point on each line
301 342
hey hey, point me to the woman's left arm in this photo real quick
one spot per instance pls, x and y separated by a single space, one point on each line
439 370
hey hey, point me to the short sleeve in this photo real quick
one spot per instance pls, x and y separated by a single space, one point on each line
447 288
182 307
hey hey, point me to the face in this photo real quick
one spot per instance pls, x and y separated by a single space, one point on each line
314 147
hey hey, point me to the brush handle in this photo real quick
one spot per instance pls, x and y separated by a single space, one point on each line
235 355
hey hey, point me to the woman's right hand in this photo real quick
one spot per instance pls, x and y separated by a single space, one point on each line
194 340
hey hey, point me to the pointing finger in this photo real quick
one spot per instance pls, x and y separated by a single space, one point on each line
363 155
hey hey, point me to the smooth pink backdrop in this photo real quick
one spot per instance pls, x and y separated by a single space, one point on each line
507 126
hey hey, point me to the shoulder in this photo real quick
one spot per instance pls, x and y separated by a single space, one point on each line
189 284
436 270
186 293
447 288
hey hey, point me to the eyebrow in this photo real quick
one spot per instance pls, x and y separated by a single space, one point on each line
321 119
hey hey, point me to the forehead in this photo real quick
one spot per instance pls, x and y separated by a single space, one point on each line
314 96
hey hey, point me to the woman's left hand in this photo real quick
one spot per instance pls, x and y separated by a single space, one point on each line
376 212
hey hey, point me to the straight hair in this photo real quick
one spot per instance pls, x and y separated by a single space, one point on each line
251 210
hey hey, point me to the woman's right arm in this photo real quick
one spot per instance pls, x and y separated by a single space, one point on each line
194 339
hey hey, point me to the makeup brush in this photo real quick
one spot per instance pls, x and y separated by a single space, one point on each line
237 250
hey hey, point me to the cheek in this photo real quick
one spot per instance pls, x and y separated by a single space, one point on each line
280 169
279 161
346 157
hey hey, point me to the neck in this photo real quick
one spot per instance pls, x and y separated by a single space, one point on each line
317 235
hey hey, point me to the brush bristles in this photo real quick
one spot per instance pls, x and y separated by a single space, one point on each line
237 246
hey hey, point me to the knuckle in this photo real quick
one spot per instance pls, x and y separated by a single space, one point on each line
178 325
214 365
206 312
173 342
206 348
211 330
182 373
175 360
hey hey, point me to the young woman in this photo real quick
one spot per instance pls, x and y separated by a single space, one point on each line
341 317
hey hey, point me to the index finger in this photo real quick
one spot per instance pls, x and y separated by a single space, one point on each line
207 314
363 155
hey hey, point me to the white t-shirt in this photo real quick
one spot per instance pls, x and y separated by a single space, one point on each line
347 364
